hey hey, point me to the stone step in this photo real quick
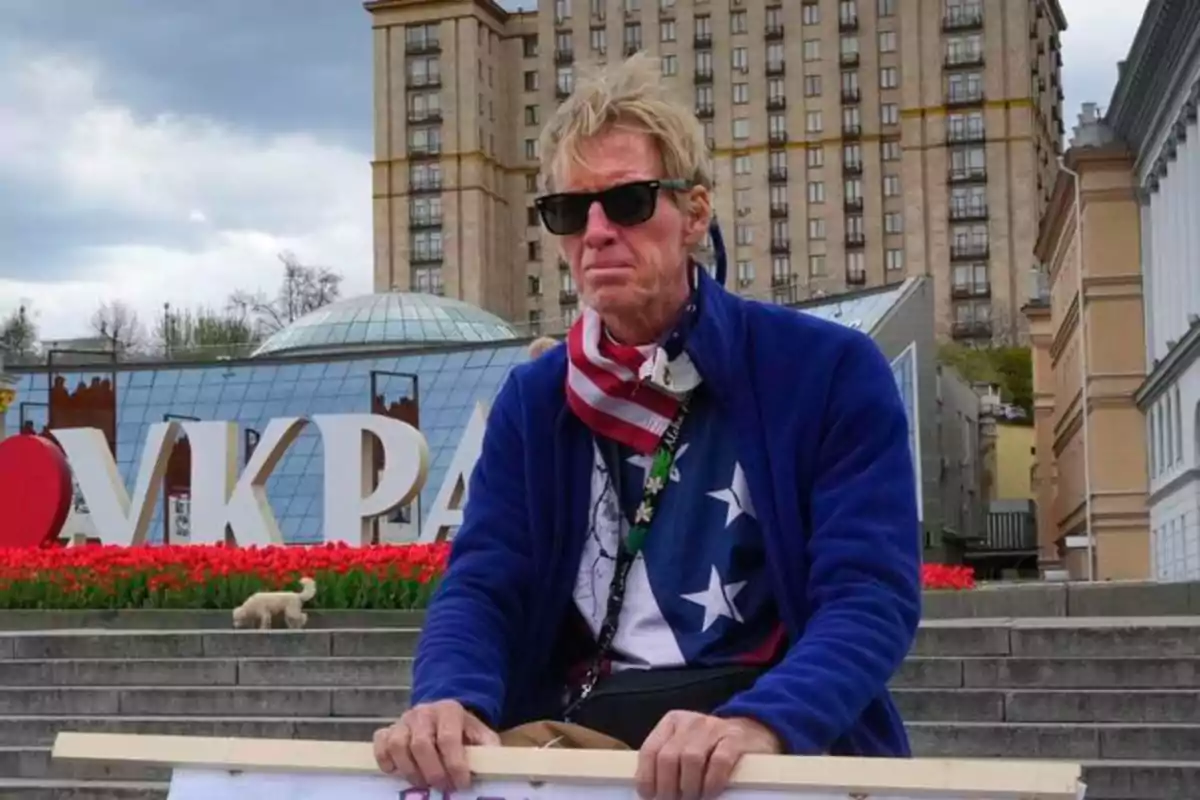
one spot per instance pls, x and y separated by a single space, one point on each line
35 763
1043 673
40 730
81 790
1165 637
180 701
192 619
917 705
1068 741
321 671
917 672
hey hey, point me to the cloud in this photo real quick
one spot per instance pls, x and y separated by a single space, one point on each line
1098 35
194 206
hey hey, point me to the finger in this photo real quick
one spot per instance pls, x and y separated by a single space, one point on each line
478 733
693 760
423 747
721 763
399 749
450 746
383 758
645 778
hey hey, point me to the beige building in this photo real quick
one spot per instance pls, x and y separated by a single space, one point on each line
1089 359
856 142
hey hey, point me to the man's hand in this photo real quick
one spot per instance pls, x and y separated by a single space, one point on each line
426 747
689 756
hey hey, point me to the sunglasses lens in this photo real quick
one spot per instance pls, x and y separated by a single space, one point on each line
631 204
565 214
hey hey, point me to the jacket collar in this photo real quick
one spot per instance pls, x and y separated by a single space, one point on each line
711 337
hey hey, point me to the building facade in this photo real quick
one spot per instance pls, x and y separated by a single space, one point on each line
1154 110
856 142
1089 359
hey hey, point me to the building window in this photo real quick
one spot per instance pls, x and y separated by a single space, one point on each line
889 150
531 182
815 156
889 114
781 269
777 90
741 165
891 185
816 265
741 94
816 191
666 30
811 14
532 117
743 234
531 81
813 122
887 8
893 259
741 128
816 228
889 78
812 49
531 149
598 39
893 222
529 45
745 272
670 65
812 85
741 59
737 22
887 41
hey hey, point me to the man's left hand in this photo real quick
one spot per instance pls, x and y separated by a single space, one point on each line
690 756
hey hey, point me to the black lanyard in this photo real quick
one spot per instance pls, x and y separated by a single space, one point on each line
657 476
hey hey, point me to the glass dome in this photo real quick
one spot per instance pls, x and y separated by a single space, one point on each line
389 319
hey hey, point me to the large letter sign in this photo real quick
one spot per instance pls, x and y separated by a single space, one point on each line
221 499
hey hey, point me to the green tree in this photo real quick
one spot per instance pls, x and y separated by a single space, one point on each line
18 336
1009 368
204 334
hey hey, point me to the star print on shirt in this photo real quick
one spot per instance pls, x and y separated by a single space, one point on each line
717 600
736 497
643 462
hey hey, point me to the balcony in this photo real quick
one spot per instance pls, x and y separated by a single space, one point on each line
702 41
426 256
972 329
851 96
968 291
427 185
966 136
773 33
779 281
564 56
966 174
779 210
705 111
852 204
852 168
777 138
849 59
426 117
960 58
968 251
562 92
962 18
422 47
568 297
632 48
964 98
851 131
780 247
778 103
776 67
777 174
856 239
423 81
1009 531
968 212
856 277
427 150
702 76
425 221
848 23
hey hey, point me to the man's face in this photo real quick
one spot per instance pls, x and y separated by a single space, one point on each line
624 269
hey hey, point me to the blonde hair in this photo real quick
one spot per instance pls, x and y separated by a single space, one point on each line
633 95
540 345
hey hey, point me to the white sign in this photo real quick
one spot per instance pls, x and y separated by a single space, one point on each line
221 498
188 784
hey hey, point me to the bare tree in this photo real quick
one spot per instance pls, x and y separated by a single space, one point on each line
19 336
303 289
203 334
119 326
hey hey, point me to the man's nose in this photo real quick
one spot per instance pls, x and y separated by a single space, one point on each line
599 231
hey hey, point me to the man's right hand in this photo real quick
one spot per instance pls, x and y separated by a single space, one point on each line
426 747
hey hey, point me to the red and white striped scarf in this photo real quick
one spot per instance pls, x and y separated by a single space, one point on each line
605 391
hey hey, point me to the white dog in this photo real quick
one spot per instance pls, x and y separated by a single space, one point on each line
263 606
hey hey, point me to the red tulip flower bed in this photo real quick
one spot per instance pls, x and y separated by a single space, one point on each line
216 576
220 577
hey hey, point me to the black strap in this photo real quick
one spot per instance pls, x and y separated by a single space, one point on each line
658 475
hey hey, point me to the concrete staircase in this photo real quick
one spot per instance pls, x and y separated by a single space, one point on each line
1121 695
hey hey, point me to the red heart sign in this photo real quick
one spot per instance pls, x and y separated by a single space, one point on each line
35 491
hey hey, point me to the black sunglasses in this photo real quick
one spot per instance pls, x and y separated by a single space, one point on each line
626 205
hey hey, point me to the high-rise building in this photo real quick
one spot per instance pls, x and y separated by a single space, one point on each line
856 142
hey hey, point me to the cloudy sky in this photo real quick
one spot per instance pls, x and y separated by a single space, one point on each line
166 150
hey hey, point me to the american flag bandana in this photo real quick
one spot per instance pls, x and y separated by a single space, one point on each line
606 388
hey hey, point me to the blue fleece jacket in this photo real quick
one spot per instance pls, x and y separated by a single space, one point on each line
823 438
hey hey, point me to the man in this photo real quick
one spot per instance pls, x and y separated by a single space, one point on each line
693 529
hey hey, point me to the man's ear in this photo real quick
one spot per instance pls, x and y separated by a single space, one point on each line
698 211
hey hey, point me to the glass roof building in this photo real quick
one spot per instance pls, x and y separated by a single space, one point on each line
391 319
376 353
